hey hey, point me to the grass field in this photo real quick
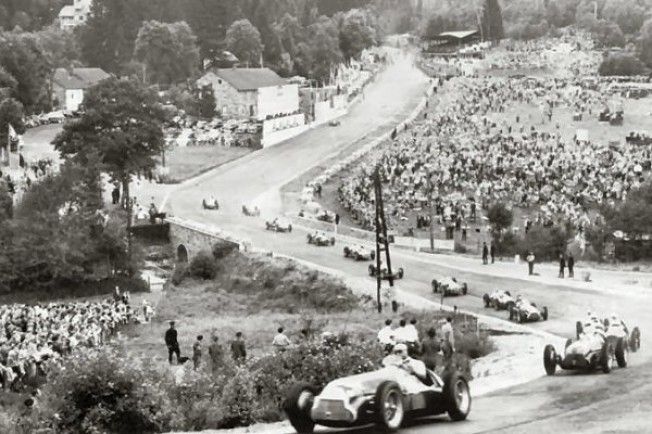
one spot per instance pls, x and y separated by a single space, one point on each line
186 162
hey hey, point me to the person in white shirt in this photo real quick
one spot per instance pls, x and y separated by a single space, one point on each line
386 335
281 341
401 334
447 331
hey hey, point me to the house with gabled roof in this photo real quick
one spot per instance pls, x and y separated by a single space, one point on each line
69 86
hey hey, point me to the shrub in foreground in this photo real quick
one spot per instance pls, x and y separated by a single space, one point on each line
203 266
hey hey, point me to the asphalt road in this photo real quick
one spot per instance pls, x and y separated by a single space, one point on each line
564 403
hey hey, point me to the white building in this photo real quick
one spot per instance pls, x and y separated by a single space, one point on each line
251 93
74 15
69 85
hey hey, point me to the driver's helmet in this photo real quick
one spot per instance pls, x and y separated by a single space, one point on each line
400 350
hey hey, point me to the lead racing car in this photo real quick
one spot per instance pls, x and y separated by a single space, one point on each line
279 224
210 204
590 352
384 273
320 239
449 286
359 253
386 397
525 311
499 300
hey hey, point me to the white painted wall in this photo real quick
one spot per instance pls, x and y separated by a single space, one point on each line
74 97
277 100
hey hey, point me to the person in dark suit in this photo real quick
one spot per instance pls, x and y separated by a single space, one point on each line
492 252
238 348
172 343
562 265
571 266
485 253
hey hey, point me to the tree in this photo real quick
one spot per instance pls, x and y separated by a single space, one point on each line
492 21
168 51
500 217
561 13
243 40
629 15
210 19
645 43
607 34
356 33
621 64
323 52
24 60
60 47
122 126
437 24
11 113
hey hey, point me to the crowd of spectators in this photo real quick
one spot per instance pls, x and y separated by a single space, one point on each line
464 153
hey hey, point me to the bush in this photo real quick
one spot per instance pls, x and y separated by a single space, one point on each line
621 64
179 274
203 266
473 345
546 243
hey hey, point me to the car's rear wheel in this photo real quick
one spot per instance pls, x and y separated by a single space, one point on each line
544 313
465 288
401 273
621 353
389 406
435 286
372 255
347 252
550 359
297 406
458 397
511 314
606 357
486 299
372 270
578 329
290 228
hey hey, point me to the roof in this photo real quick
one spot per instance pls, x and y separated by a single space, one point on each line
459 34
249 78
79 78
67 11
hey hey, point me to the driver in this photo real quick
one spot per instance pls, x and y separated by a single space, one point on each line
401 359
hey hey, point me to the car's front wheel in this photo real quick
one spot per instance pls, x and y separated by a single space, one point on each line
389 406
458 397
550 359
297 406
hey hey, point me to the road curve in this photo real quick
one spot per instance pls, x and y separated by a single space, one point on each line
565 403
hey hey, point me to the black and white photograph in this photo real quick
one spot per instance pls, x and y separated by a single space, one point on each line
325 216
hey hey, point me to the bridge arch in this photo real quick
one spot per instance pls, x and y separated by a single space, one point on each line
182 254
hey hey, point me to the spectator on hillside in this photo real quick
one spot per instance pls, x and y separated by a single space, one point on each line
386 336
485 254
238 348
493 253
197 352
401 333
216 354
571 266
430 348
281 341
562 265
172 343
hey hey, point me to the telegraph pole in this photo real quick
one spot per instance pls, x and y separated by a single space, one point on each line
382 242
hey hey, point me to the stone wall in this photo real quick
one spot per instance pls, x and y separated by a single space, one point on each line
188 238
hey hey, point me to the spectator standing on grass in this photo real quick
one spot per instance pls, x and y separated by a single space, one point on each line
115 195
172 343
571 266
401 334
216 354
281 341
196 352
447 331
493 253
530 258
238 348
562 265
430 348
485 253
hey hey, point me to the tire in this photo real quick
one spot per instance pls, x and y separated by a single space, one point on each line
458 397
268 226
486 299
347 252
605 356
621 353
372 255
290 228
635 340
521 317
372 270
511 314
544 313
435 286
465 288
297 407
510 304
508 293
389 406
401 273
550 359
578 329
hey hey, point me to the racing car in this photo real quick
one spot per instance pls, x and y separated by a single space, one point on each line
616 328
590 352
320 239
384 274
210 204
386 397
525 311
325 216
499 300
279 224
250 211
359 253
449 286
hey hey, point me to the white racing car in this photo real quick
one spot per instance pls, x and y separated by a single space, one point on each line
320 239
251 211
592 351
386 397
359 253
525 311
449 286
499 300
210 204
279 224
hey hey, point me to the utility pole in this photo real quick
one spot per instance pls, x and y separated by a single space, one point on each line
431 209
382 242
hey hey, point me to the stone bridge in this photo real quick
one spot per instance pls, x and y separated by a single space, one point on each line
189 237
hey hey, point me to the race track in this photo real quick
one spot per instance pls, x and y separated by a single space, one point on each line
566 403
